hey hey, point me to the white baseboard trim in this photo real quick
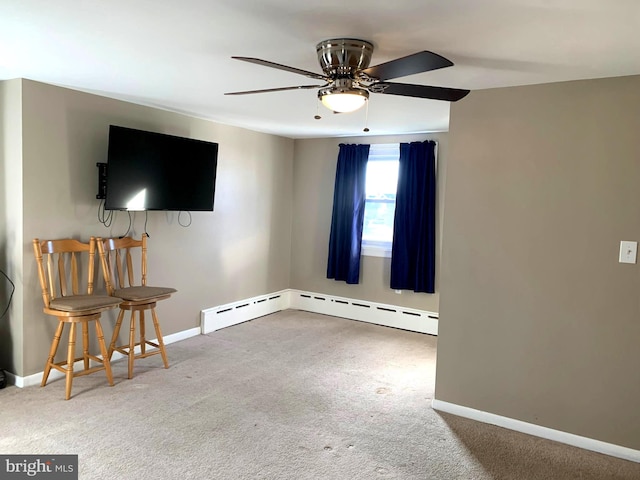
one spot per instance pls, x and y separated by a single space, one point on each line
13 379
223 316
215 318
36 378
421 321
168 339
179 336
538 431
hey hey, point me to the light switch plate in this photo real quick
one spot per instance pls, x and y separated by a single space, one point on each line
628 252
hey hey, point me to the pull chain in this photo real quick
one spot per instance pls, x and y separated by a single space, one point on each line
366 117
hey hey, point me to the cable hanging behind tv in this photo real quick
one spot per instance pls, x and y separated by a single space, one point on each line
156 171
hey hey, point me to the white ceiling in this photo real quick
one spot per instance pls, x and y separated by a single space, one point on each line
175 54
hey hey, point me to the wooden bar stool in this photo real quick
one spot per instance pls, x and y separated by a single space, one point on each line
116 255
70 306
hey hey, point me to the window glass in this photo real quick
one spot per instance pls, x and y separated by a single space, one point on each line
382 181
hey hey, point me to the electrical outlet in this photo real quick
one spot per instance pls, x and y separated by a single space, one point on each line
628 252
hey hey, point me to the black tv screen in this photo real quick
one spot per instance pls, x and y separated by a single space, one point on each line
155 171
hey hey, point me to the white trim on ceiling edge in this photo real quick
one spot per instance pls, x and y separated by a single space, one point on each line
538 431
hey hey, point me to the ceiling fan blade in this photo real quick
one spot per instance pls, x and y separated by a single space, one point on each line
266 63
419 91
401 67
280 89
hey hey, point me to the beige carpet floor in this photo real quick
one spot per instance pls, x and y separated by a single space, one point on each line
292 395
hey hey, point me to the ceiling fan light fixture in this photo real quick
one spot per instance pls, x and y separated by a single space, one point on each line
343 101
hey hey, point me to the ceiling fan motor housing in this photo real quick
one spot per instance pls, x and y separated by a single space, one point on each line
343 57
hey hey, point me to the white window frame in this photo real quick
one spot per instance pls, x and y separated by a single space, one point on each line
380 152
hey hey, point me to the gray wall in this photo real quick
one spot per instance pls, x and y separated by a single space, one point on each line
538 320
240 250
314 176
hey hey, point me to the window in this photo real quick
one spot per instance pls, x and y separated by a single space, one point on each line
380 203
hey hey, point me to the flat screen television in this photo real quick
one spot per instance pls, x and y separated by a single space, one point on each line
155 171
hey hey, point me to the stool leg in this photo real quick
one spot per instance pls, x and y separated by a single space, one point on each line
85 344
132 342
143 340
156 324
52 353
116 332
71 353
103 351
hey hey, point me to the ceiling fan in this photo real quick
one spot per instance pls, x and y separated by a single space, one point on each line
349 79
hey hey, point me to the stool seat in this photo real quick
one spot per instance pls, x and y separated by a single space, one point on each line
79 303
142 293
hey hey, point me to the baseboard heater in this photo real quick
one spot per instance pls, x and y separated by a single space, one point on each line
372 312
223 316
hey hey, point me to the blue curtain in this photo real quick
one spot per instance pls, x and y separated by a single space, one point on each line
413 253
348 213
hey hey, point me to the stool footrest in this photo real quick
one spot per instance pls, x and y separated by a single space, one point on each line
64 367
97 368
124 350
